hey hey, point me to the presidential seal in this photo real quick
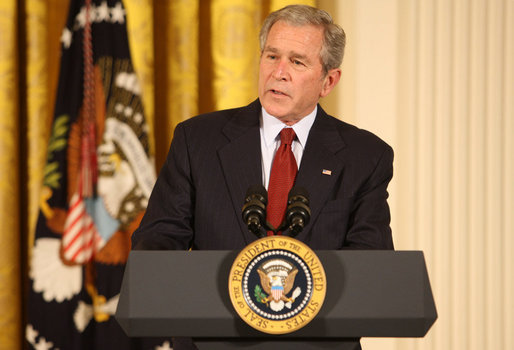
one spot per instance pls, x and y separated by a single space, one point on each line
277 284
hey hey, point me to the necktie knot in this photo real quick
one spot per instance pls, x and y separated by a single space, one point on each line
287 136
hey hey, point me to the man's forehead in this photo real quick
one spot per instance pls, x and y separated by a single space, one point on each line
303 44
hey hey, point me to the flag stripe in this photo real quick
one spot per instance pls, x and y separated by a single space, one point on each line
80 238
71 232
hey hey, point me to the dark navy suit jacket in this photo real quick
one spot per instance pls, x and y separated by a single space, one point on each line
214 158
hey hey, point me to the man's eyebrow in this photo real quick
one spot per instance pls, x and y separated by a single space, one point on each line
298 55
291 53
271 49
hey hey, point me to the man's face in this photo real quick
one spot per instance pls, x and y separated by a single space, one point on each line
291 78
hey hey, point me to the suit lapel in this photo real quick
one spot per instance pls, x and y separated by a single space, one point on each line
320 168
240 158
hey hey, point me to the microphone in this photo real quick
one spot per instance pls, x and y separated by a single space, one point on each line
254 209
298 213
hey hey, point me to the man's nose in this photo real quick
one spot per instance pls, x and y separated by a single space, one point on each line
280 72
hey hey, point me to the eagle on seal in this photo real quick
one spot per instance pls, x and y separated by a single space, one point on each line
276 286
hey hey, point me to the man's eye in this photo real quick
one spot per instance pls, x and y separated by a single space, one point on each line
297 63
272 57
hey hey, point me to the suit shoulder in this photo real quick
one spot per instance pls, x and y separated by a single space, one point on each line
209 119
357 137
217 119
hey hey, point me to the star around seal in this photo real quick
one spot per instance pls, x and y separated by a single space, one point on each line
277 284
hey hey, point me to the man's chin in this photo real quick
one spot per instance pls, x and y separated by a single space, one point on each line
281 117
285 118
277 110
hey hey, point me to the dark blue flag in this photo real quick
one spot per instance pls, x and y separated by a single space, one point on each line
97 181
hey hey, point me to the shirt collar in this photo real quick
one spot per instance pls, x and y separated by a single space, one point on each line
272 126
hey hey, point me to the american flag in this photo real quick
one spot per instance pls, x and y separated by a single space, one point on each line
80 238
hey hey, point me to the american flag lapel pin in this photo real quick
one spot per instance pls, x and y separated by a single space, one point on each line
326 172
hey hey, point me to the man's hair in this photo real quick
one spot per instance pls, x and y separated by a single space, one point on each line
334 38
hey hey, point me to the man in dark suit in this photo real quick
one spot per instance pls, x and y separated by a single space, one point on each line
214 158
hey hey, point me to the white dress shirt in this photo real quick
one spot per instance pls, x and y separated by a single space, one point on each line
270 128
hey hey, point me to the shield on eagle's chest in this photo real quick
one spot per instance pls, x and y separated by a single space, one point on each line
276 292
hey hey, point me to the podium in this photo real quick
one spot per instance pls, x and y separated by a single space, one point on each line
185 294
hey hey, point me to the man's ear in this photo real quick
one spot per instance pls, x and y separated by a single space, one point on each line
330 81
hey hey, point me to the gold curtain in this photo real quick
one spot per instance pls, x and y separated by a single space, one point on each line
192 56
9 179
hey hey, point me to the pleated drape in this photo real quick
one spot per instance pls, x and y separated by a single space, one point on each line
455 165
9 179
435 79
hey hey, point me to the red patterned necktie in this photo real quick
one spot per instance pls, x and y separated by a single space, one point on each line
283 173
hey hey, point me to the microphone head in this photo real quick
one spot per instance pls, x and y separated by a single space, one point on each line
298 212
254 209
258 192
298 194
